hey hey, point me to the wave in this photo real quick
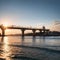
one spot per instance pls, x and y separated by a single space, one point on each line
41 48
34 47
22 57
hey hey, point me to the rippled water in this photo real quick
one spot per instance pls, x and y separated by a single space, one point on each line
29 48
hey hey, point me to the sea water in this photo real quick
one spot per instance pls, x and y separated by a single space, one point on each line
30 48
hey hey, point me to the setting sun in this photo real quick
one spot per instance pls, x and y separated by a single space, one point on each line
5 24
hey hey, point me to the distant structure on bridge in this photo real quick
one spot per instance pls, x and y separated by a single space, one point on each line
23 29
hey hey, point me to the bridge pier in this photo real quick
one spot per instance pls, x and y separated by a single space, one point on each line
22 31
33 32
47 31
3 32
43 29
40 31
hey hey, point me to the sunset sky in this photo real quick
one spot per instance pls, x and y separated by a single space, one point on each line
29 12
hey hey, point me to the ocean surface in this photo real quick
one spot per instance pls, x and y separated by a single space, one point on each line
30 48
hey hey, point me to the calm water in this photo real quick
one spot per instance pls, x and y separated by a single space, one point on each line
29 48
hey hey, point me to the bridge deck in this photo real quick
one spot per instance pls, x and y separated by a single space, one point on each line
25 28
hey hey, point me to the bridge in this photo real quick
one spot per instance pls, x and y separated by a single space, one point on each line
23 29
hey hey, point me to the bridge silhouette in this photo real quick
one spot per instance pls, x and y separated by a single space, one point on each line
23 29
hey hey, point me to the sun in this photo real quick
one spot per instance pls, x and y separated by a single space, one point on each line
5 24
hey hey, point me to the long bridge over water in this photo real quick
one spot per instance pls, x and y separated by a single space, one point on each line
23 29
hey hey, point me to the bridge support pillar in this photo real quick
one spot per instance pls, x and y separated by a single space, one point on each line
47 31
22 31
3 32
40 31
43 31
33 32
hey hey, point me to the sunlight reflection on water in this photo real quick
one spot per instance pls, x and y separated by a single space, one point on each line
6 49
